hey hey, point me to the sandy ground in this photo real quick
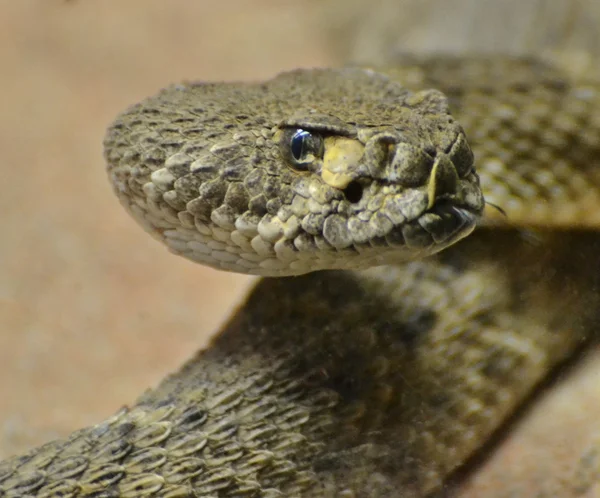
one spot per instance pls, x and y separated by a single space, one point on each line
92 310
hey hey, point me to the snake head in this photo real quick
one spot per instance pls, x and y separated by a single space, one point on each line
315 169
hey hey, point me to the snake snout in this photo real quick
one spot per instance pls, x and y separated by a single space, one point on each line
431 191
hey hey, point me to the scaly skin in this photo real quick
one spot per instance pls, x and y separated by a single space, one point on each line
206 168
377 383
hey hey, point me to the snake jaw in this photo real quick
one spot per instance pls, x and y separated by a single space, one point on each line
412 196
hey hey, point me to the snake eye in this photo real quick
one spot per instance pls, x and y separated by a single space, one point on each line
303 148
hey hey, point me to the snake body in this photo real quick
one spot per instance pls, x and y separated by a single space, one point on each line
358 382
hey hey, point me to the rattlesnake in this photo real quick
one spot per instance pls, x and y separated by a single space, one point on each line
351 383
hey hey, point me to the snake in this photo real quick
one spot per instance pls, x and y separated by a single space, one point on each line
427 234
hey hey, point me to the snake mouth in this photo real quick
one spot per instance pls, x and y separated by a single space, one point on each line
447 223
439 227
379 216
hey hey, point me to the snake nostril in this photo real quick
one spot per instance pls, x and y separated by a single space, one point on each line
430 150
353 192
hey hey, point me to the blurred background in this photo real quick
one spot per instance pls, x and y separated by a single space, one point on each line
92 310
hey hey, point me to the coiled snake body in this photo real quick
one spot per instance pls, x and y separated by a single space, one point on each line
368 381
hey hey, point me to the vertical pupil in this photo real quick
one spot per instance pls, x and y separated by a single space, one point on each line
298 144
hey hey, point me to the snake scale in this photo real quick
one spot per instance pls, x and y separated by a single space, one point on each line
384 375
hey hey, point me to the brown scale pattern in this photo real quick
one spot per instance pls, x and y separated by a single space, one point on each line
378 383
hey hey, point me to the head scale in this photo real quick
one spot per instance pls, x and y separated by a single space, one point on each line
314 169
